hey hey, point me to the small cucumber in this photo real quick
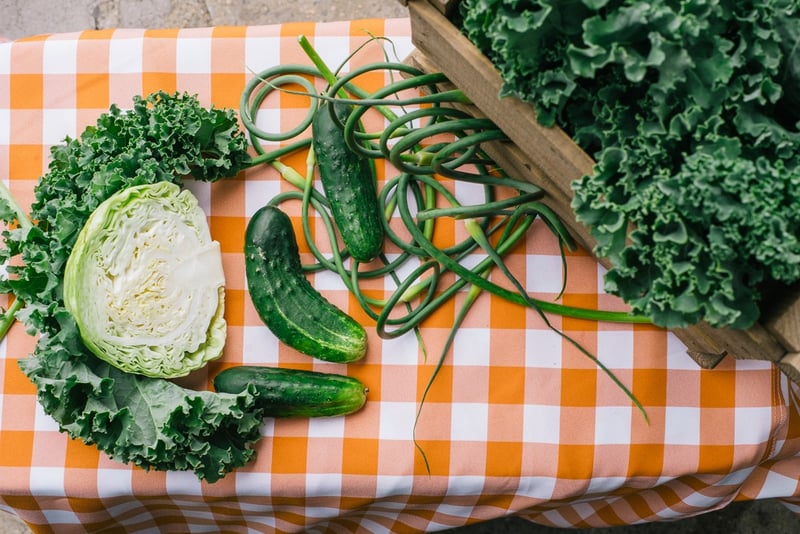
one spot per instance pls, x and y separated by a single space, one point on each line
349 184
294 392
289 305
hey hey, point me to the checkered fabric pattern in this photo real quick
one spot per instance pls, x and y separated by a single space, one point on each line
517 422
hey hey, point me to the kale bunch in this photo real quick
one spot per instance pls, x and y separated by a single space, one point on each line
150 422
690 109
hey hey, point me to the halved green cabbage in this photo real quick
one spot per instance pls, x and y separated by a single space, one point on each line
145 283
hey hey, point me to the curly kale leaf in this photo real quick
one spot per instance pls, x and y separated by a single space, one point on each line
162 137
152 423
697 251
690 109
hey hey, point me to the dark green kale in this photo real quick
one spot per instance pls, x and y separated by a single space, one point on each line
150 422
690 108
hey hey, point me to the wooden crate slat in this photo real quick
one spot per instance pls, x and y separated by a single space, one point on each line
782 318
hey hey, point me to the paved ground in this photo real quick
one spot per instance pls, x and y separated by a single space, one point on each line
20 18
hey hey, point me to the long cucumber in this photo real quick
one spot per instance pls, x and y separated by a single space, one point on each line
282 392
348 181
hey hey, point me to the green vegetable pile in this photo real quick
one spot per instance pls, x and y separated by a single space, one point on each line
690 109
150 422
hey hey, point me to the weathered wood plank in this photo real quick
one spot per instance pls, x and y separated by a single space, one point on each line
782 318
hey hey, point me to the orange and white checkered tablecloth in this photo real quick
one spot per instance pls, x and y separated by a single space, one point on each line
518 421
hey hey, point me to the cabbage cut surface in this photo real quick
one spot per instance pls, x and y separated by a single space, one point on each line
145 283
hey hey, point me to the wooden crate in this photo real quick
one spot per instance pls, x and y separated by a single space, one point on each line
550 159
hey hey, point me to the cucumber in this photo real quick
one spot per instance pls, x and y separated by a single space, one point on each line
298 314
348 181
281 392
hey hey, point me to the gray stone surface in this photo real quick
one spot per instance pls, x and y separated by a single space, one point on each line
9 524
21 18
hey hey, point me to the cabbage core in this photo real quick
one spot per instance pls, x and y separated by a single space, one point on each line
145 283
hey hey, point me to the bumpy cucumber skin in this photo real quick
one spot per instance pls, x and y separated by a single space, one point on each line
281 392
349 184
289 305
